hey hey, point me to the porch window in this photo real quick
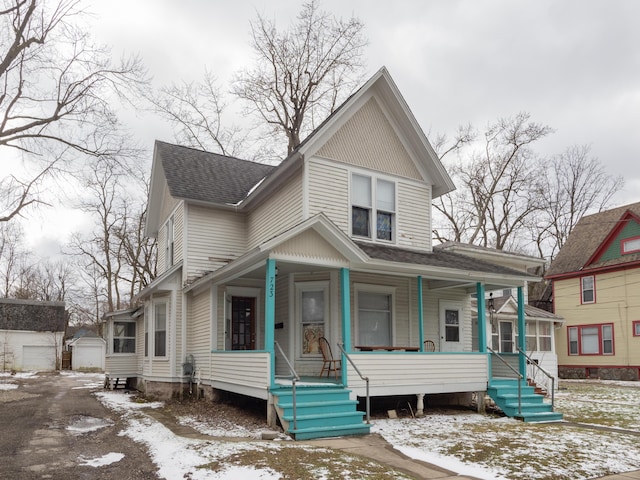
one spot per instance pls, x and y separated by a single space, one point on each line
588 289
375 317
532 336
160 330
373 200
544 337
313 315
124 337
591 340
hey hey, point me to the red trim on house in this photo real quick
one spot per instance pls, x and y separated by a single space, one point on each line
626 217
635 328
622 252
593 271
600 340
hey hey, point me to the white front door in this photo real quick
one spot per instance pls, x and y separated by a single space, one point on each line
451 326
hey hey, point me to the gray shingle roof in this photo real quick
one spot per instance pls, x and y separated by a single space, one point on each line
529 310
32 315
208 177
586 237
437 258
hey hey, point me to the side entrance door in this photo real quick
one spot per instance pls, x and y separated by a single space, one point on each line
243 323
451 327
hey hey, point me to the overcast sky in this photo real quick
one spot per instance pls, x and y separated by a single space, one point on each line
574 65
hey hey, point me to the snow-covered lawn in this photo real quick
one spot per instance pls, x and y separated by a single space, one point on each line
483 446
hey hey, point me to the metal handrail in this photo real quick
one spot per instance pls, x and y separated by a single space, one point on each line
551 377
520 377
366 379
294 378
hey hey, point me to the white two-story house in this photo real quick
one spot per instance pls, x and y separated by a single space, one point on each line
258 263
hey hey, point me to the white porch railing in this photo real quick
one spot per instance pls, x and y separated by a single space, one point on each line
413 373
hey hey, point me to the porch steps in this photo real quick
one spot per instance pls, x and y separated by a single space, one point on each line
322 410
504 392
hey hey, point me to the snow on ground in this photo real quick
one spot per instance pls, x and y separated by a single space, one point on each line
8 386
107 459
483 446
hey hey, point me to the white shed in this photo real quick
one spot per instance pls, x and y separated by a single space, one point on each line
87 352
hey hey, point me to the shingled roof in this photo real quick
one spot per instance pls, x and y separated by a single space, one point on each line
437 258
32 315
586 237
208 177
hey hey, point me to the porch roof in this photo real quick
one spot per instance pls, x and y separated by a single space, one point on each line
440 259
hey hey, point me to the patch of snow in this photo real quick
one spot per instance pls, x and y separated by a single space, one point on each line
20 374
107 459
122 402
8 386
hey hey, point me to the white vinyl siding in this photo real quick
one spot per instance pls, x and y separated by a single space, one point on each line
408 373
198 331
328 192
277 213
414 215
216 237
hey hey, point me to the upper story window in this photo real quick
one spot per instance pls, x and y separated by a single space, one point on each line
373 208
636 328
630 245
588 289
169 246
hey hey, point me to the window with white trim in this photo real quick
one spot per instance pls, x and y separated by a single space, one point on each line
538 336
124 337
160 330
373 207
375 314
630 245
313 313
591 339
588 292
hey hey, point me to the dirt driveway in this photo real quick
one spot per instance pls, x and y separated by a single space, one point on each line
53 427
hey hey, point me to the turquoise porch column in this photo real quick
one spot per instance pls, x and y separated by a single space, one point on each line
482 318
270 315
345 308
420 314
522 344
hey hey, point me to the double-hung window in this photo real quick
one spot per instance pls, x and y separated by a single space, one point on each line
636 328
124 337
160 330
373 208
375 315
588 289
591 339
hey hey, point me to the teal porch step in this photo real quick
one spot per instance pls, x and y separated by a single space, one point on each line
532 408
322 410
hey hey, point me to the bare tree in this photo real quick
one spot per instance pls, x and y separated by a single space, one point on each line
301 73
12 256
575 184
56 92
196 111
498 186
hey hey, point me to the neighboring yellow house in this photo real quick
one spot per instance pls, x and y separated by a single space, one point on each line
596 288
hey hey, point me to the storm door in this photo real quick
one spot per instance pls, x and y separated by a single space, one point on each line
243 323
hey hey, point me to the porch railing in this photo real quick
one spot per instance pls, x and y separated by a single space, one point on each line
518 374
294 378
535 364
366 380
